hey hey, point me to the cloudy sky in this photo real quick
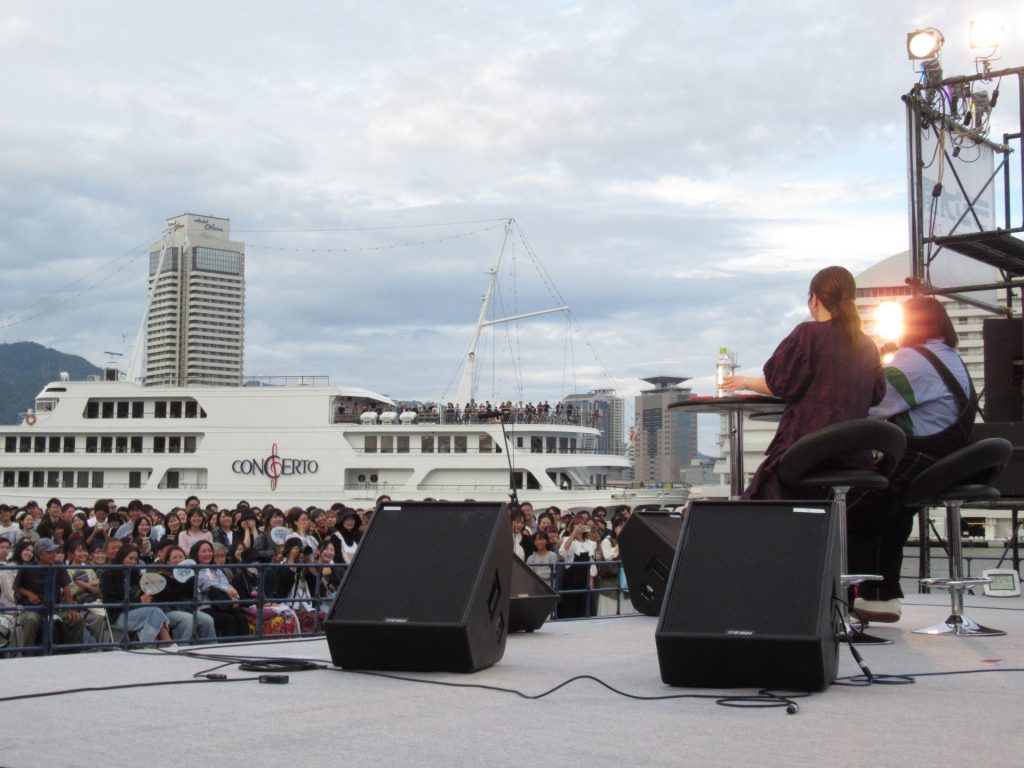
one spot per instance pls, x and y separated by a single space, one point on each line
680 169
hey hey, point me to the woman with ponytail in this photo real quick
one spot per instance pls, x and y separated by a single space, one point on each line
826 370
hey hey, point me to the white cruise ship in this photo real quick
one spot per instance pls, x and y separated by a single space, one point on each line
294 444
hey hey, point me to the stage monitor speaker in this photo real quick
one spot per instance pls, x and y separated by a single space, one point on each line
1004 367
647 546
751 601
428 590
532 599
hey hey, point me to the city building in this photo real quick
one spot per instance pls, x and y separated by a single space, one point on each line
666 440
195 319
603 409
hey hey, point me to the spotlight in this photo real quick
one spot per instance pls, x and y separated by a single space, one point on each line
924 44
889 321
985 35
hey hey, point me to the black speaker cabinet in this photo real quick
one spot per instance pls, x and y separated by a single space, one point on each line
647 546
428 590
1011 482
532 599
750 602
1003 341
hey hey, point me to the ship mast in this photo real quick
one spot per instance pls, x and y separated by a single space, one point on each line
467 384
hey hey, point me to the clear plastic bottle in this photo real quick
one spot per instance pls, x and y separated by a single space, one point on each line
724 366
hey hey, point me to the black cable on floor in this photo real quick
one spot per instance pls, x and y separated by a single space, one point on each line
763 699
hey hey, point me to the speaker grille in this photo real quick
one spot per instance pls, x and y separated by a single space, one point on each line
736 573
412 565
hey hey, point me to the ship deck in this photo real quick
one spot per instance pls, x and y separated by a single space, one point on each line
964 700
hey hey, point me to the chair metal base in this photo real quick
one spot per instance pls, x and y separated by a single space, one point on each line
957 623
854 634
960 625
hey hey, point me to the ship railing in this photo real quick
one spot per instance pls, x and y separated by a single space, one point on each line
444 416
286 381
269 617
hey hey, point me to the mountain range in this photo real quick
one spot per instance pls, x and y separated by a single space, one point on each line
26 367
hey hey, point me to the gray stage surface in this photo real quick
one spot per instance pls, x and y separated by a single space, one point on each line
327 717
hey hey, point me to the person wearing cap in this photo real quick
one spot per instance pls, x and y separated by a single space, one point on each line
32 586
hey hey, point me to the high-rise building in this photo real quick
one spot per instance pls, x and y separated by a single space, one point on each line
602 409
666 440
195 324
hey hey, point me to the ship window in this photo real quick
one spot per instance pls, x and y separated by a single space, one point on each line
92 410
134 479
83 479
11 444
160 409
572 445
53 479
69 480
91 444
23 479
402 444
190 443
563 444
191 409
444 444
138 409
136 444
370 444
427 444
25 444
536 445
37 478
108 409
460 444
174 444
486 444
69 444
97 479
8 479
519 442
54 443
122 409
121 444
106 444
40 444
172 479
551 442
158 444
387 444
361 478
175 409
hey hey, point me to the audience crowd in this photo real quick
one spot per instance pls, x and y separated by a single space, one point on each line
193 574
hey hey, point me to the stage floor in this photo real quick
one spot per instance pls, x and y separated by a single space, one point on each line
329 717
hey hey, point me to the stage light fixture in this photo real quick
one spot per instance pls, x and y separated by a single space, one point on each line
924 44
985 35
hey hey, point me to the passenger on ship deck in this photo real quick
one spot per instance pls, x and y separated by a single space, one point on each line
929 394
826 370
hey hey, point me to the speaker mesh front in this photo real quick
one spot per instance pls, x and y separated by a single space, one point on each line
418 563
736 571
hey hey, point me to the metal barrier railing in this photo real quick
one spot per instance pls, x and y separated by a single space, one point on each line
307 607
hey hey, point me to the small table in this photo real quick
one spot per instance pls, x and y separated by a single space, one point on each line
735 407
